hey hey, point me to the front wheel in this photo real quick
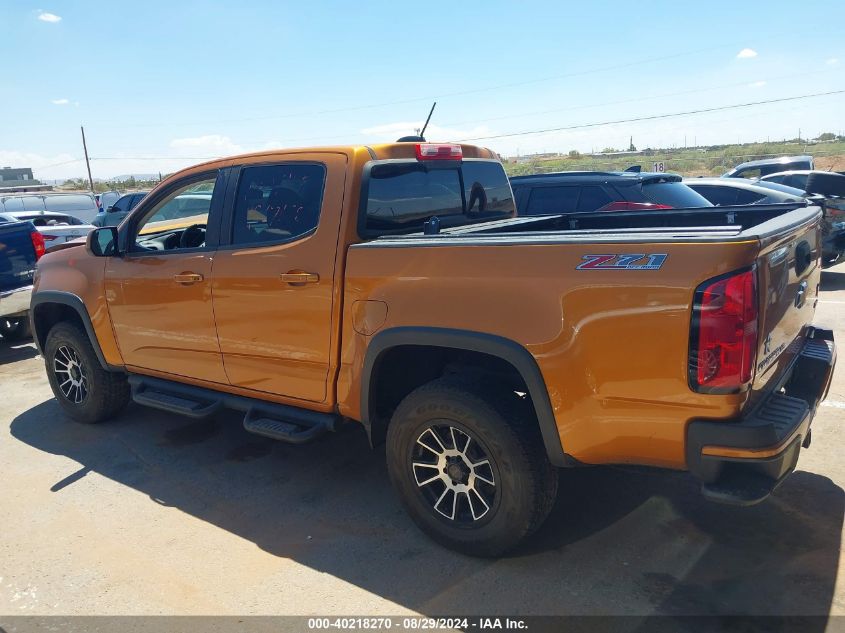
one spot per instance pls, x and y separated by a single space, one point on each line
470 468
15 329
85 391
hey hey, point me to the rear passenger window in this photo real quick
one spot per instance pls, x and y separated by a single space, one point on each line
120 206
593 198
748 197
277 203
719 196
485 190
799 181
550 200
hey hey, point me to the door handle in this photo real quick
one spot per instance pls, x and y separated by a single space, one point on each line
300 278
187 278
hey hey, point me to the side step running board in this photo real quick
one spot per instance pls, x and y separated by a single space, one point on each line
165 399
277 421
293 431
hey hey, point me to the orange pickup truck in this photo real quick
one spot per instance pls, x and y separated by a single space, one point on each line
394 286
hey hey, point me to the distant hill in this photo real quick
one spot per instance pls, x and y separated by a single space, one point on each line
153 176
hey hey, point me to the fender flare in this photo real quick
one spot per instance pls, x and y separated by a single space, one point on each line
72 301
491 344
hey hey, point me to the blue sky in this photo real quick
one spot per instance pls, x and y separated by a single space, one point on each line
161 85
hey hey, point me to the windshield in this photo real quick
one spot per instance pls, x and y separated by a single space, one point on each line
774 186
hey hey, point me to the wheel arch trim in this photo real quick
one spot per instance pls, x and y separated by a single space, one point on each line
506 349
45 297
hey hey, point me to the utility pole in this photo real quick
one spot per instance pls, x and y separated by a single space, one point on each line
87 162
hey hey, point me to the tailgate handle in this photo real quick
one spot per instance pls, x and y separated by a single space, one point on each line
803 257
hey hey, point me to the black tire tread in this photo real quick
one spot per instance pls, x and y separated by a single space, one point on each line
108 391
523 433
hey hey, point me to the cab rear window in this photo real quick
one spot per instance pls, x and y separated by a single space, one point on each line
402 196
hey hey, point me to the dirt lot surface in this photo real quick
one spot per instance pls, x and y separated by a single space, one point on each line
156 514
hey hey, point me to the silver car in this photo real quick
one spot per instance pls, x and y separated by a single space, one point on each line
82 206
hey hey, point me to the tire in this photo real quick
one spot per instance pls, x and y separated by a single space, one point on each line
94 395
524 483
15 329
826 183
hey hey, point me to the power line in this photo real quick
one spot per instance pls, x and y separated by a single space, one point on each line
653 117
522 133
459 93
636 99
65 162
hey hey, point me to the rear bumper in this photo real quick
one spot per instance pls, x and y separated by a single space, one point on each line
742 462
15 302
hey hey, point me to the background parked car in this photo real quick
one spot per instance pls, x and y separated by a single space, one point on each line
114 214
106 199
823 182
56 228
21 245
759 168
828 190
82 206
584 191
724 192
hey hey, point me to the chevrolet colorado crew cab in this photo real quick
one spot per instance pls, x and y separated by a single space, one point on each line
394 285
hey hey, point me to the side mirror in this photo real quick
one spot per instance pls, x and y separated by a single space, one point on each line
110 208
102 242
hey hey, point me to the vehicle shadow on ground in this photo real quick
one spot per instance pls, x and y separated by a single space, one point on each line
13 352
620 540
833 280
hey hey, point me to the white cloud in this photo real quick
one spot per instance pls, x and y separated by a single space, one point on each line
55 166
207 145
52 18
746 53
833 61
757 84
60 101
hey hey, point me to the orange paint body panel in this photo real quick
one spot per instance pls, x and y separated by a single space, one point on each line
612 346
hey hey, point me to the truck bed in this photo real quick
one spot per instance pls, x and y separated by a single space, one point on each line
604 303
710 223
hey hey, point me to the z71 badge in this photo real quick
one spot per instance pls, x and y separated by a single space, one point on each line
635 261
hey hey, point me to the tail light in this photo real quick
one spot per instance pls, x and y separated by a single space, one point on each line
723 337
633 206
439 151
38 244
49 238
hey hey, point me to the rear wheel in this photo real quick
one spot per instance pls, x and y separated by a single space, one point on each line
85 391
470 469
15 329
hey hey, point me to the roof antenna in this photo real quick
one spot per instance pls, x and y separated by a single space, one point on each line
420 133
430 112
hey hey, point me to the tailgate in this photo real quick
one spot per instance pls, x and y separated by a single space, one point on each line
788 275
17 255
